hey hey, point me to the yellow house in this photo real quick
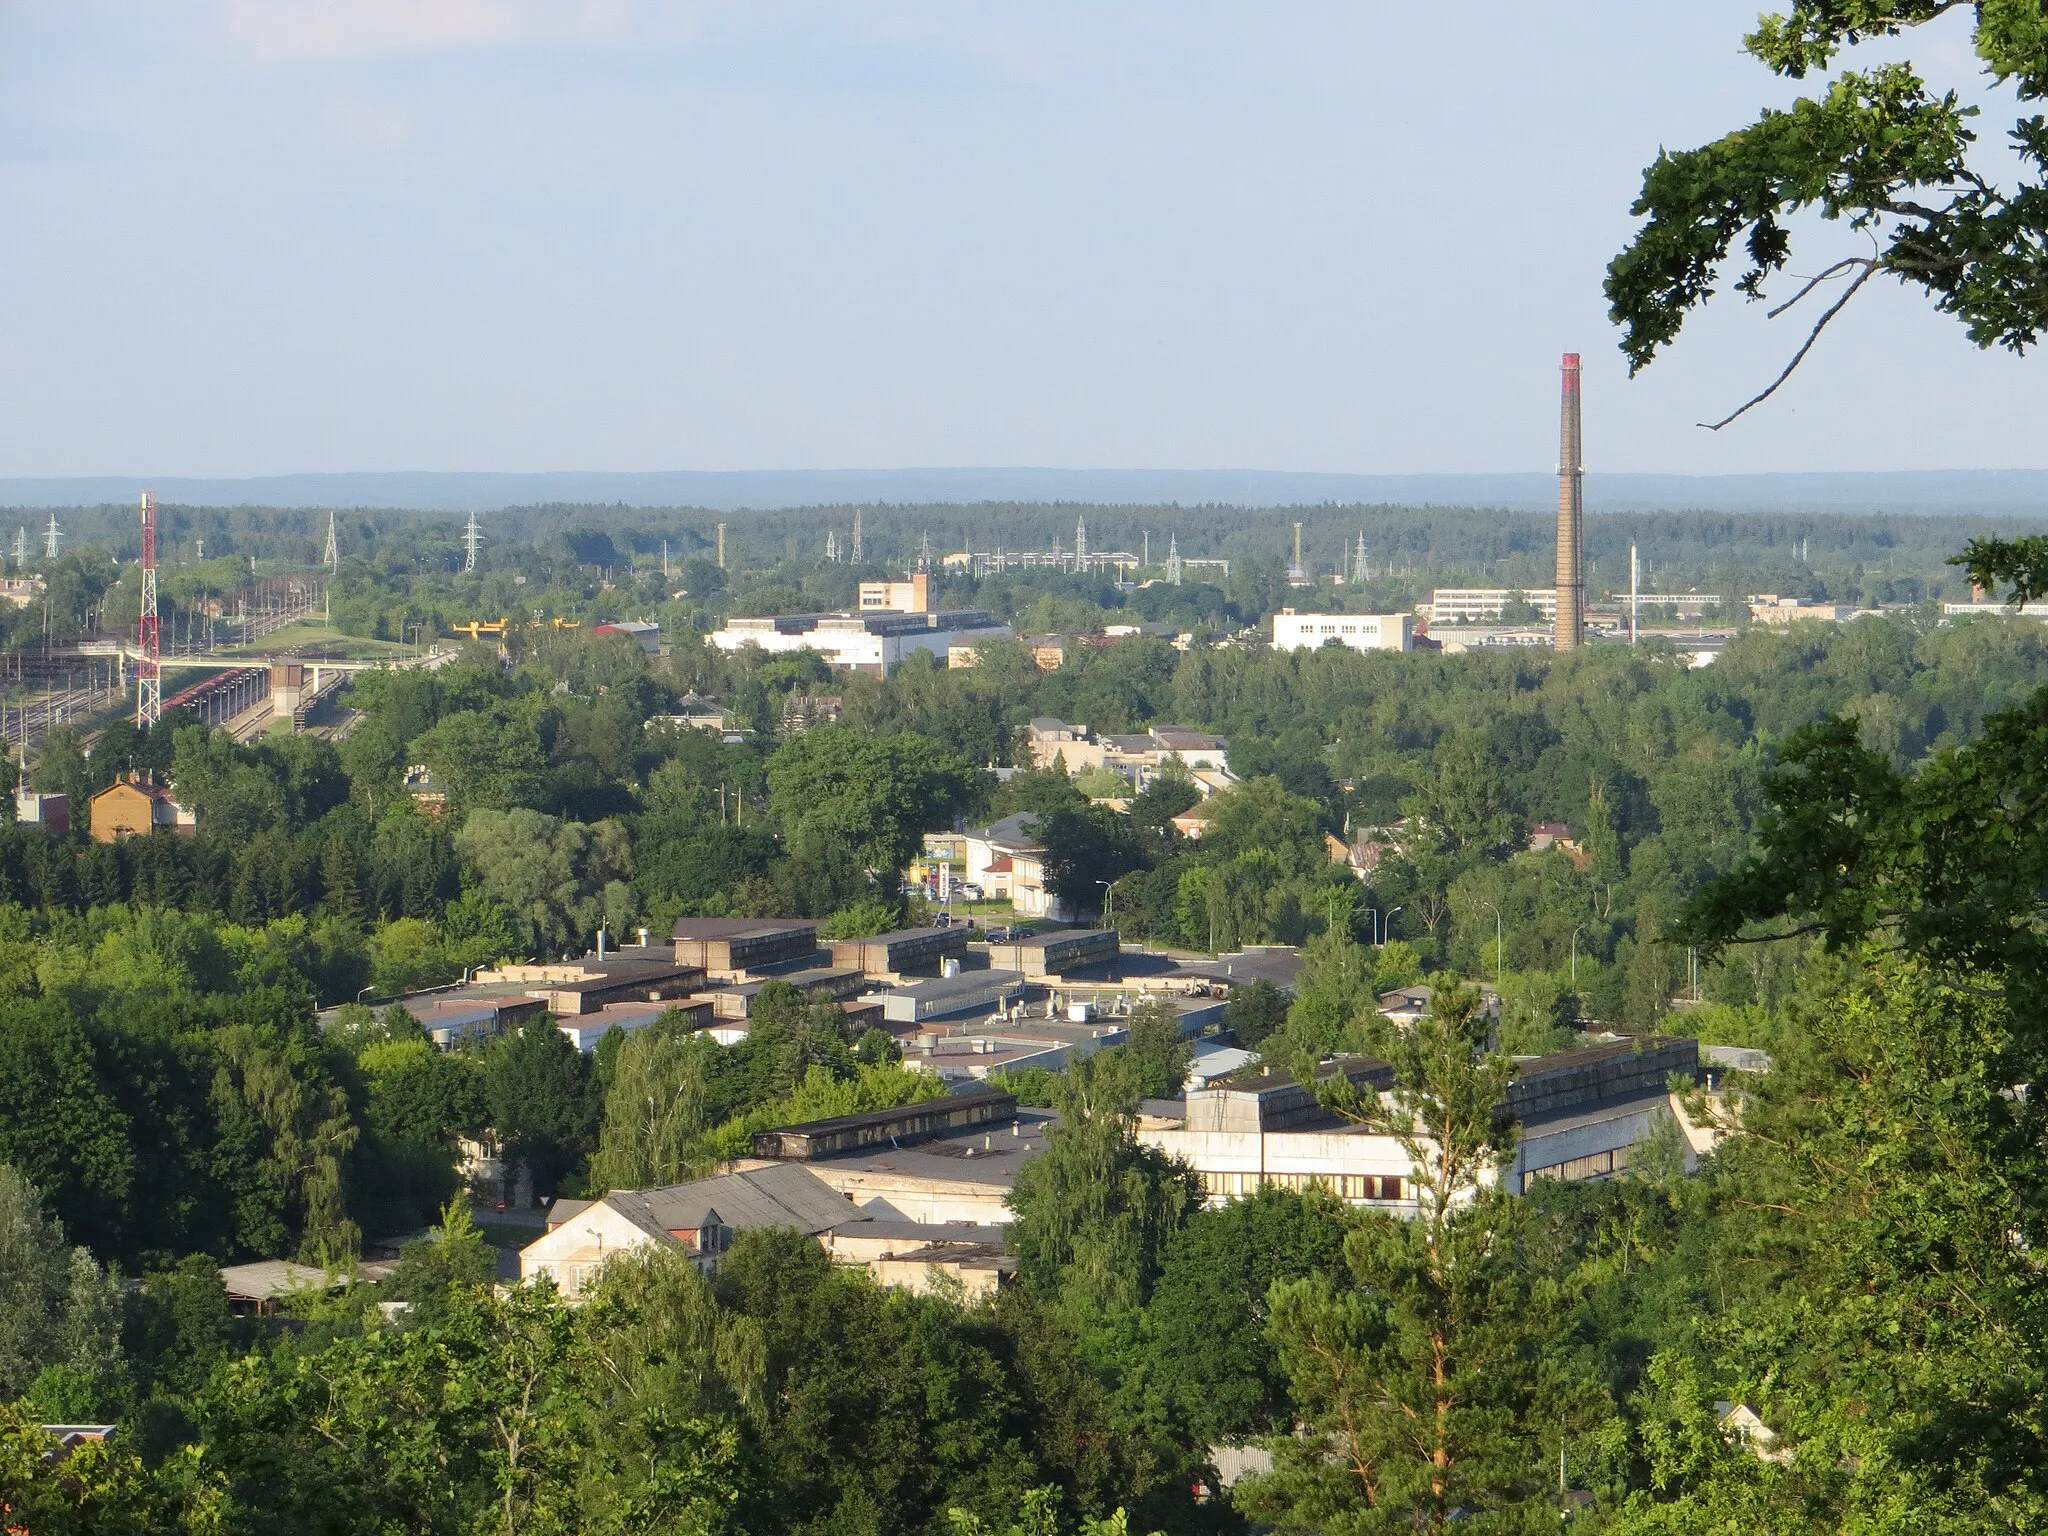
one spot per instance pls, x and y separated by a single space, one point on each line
136 806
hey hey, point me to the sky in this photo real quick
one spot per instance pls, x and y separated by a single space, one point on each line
270 236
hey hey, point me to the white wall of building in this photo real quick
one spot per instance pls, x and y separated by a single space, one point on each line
1358 631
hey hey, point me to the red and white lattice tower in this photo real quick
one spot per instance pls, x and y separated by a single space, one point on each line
149 687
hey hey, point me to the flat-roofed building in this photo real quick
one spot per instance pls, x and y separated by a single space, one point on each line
585 1031
1486 605
1040 955
1578 1114
874 642
584 986
833 983
906 952
1581 1112
902 1126
960 1176
733 947
467 1014
937 997
1355 631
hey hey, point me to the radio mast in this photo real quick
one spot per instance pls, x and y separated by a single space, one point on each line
149 685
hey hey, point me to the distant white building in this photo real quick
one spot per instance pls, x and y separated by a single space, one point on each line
1357 631
1579 1114
1485 605
873 642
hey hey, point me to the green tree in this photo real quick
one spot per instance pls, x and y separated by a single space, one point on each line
875 797
434 1272
1254 1012
1334 997
59 1312
1157 1048
654 1110
1413 1374
1206 1333
1094 1210
537 1086
1878 150
556 878
483 761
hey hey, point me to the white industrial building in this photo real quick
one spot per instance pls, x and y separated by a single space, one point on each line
1358 631
873 643
1485 605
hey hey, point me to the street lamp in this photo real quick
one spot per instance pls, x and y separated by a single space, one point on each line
1575 953
1387 926
1498 941
1108 902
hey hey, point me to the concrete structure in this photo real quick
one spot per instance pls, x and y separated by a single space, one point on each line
1039 955
1357 631
956 1263
137 806
1483 605
907 952
1581 1111
941 997
903 1126
834 983
962 1176
1569 611
585 1031
586 985
874 643
472 1014
1773 609
1578 1114
912 596
731 948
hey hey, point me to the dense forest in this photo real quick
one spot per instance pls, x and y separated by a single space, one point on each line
168 1102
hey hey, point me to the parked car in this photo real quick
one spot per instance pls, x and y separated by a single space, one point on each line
967 892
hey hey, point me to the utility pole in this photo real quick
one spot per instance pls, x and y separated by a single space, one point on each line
149 688
51 535
331 555
859 555
472 542
1634 584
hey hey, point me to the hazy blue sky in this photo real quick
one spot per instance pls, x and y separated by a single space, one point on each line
258 236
